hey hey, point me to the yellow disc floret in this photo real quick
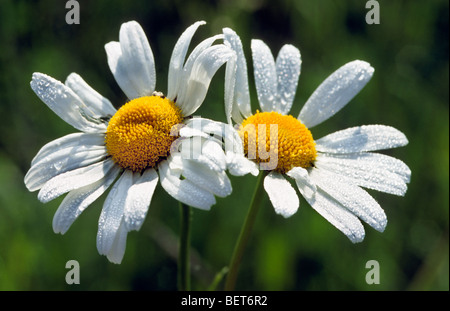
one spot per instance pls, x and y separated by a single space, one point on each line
286 142
138 135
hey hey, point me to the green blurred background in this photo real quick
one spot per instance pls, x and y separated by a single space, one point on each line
409 51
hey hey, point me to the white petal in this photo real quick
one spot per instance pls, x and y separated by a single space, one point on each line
87 140
366 159
193 89
184 190
131 61
74 179
288 71
355 199
112 213
119 70
200 175
76 201
238 94
362 138
212 150
177 59
237 162
365 170
207 126
217 131
207 151
338 216
231 110
100 106
335 92
62 161
137 56
65 103
187 132
138 199
305 185
282 195
83 148
265 75
239 165
233 141
117 250
198 50
214 164
201 147
175 163
190 148
212 156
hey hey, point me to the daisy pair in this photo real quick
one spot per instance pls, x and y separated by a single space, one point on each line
136 146
330 172
148 138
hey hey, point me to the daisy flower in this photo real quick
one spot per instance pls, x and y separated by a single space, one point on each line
133 147
329 172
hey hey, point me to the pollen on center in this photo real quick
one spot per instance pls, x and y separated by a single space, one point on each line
285 140
138 135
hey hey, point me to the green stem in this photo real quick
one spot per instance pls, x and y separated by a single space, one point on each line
184 276
245 233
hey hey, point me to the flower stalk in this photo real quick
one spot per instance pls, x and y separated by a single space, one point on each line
184 275
245 233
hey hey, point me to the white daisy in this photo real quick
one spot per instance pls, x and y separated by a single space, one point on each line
329 172
135 143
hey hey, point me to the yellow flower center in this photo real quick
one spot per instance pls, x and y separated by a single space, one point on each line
138 135
286 141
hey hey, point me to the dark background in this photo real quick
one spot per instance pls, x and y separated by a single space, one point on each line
409 90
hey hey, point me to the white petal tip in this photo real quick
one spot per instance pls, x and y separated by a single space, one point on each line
282 195
58 229
133 22
114 260
35 80
363 65
286 213
356 239
356 236
228 30
381 226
